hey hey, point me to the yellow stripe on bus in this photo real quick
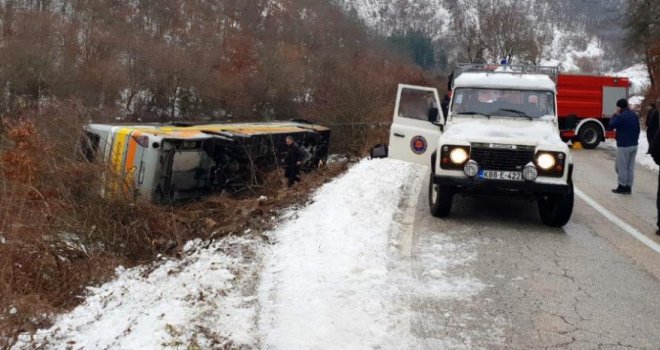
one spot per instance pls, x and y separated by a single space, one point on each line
129 163
117 158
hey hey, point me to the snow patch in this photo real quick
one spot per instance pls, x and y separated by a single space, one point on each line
438 259
639 78
326 281
196 302
506 81
564 50
337 278
431 16
503 130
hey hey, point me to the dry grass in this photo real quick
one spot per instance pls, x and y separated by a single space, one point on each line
58 235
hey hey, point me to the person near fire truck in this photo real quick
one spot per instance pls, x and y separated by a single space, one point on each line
652 122
654 150
626 124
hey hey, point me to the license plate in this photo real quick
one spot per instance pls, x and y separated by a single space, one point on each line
501 175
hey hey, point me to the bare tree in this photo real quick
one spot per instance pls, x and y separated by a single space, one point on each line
643 32
507 32
469 44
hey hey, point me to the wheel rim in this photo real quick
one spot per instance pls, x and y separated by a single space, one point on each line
590 135
434 194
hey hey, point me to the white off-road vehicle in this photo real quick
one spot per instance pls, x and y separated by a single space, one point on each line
500 137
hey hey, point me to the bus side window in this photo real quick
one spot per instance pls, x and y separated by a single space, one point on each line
89 146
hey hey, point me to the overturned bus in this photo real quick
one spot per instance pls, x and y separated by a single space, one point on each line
170 162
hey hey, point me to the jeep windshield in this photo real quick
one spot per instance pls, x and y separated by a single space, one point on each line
503 103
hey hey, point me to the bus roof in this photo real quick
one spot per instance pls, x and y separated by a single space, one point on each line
203 130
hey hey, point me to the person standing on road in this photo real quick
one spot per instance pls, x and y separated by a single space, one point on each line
293 161
626 124
652 123
654 150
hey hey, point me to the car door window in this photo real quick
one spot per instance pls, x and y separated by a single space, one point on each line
418 104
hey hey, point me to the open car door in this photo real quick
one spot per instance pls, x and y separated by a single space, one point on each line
417 124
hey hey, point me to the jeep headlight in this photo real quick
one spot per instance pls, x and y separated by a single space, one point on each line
454 157
546 161
550 164
458 156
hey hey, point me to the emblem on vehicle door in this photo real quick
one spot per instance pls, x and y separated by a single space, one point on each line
418 144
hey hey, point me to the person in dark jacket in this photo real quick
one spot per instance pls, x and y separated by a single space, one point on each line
444 104
293 161
626 124
652 122
654 149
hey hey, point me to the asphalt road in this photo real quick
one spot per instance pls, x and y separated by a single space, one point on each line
517 284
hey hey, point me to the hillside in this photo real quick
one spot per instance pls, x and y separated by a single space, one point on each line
581 35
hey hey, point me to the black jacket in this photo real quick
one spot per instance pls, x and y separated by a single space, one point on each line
294 154
627 128
652 122
654 148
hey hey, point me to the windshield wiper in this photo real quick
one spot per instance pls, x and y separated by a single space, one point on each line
474 113
519 113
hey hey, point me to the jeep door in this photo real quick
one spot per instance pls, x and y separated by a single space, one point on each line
417 124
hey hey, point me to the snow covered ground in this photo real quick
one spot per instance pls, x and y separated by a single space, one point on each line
331 276
563 52
348 274
205 300
326 282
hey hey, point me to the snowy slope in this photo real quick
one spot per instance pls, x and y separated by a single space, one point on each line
202 301
326 282
569 43
565 52
639 78
430 16
340 275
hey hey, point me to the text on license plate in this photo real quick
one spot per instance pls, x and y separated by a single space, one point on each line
501 175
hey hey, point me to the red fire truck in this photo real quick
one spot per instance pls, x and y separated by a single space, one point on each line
585 102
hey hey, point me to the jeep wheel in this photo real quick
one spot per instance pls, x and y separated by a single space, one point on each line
590 135
556 209
440 199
